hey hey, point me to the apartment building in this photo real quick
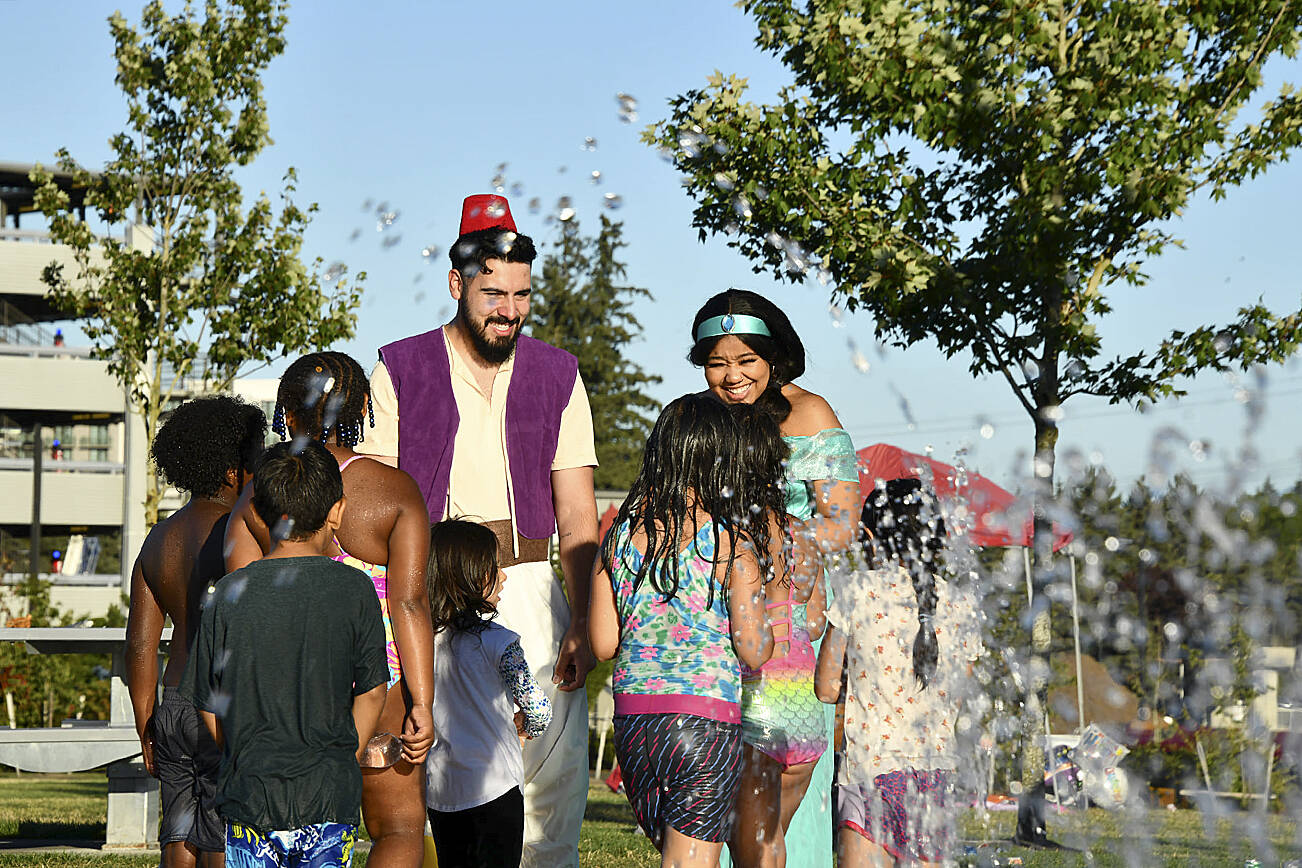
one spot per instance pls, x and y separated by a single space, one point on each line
68 445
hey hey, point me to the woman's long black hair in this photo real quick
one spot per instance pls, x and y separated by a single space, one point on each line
694 458
782 348
764 454
902 528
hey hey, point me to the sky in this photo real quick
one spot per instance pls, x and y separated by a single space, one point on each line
418 104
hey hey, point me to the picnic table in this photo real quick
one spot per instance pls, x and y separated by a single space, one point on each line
84 745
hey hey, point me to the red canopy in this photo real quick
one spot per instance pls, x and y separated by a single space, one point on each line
606 521
990 525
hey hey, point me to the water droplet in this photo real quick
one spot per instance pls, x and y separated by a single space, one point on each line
517 190
627 107
496 209
535 205
499 183
334 271
857 358
613 201
595 176
417 278
368 204
418 297
837 315
355 234
726 491
589 144
385 219
391 241
987 431
430 253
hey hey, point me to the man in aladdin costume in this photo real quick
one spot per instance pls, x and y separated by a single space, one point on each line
495 426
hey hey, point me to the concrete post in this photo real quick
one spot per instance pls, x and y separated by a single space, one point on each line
135 466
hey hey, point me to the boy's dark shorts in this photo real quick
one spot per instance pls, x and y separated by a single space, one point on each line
187 760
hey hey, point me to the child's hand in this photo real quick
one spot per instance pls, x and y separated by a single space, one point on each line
519 726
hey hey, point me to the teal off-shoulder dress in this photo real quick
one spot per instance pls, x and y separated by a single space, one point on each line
826 456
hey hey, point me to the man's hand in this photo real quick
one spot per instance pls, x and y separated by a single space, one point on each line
147 747
417 734
575 659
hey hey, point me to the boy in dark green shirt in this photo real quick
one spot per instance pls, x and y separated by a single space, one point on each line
289 674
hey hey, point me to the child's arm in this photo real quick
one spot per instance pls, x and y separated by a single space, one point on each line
247 538
752 637
816 610
603 619
366 714
214 726
831 661
524 691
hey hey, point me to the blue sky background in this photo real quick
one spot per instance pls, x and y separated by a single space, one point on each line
417 104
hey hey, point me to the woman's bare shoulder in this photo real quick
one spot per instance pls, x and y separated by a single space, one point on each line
810 412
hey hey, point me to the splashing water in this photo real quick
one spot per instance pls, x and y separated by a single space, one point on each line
627 108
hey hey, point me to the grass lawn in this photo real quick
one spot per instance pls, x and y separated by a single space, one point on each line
71 808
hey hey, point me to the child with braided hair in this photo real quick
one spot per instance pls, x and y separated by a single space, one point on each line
903 639
325 397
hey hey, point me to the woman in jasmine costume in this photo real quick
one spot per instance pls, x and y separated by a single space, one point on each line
751 354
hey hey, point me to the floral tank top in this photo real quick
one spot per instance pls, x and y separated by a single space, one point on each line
675 656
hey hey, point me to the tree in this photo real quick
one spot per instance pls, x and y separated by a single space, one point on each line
979 174
579 305
210 288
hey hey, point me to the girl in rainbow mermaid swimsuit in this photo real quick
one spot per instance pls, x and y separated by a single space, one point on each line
751 354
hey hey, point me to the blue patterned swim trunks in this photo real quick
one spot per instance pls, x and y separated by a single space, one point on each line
321 845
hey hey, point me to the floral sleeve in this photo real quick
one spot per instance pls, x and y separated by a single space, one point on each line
524 690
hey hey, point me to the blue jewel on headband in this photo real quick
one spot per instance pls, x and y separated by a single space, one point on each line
732 324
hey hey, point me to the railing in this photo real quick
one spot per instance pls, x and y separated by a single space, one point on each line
17 327
60 465
33 236
44 350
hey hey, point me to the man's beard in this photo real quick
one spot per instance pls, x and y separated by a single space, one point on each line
490 348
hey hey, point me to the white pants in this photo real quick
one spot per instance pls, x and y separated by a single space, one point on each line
556 763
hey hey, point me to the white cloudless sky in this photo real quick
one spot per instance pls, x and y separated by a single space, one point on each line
417 104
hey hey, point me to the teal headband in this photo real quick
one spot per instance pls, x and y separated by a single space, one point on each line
731 324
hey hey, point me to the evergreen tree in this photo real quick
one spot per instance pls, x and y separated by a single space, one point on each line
580 305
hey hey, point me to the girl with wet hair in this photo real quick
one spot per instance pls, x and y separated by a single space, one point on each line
751 354
325 396
901 637
677 600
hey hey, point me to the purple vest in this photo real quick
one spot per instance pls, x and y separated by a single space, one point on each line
542 381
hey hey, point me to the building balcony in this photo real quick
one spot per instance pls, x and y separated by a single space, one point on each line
24 254
72 492
49 379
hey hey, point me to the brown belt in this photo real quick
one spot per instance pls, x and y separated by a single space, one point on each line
531 550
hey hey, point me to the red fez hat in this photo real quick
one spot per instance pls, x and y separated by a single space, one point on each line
485 211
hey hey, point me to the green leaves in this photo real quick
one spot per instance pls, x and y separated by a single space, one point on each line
579 304
208 288
948 167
